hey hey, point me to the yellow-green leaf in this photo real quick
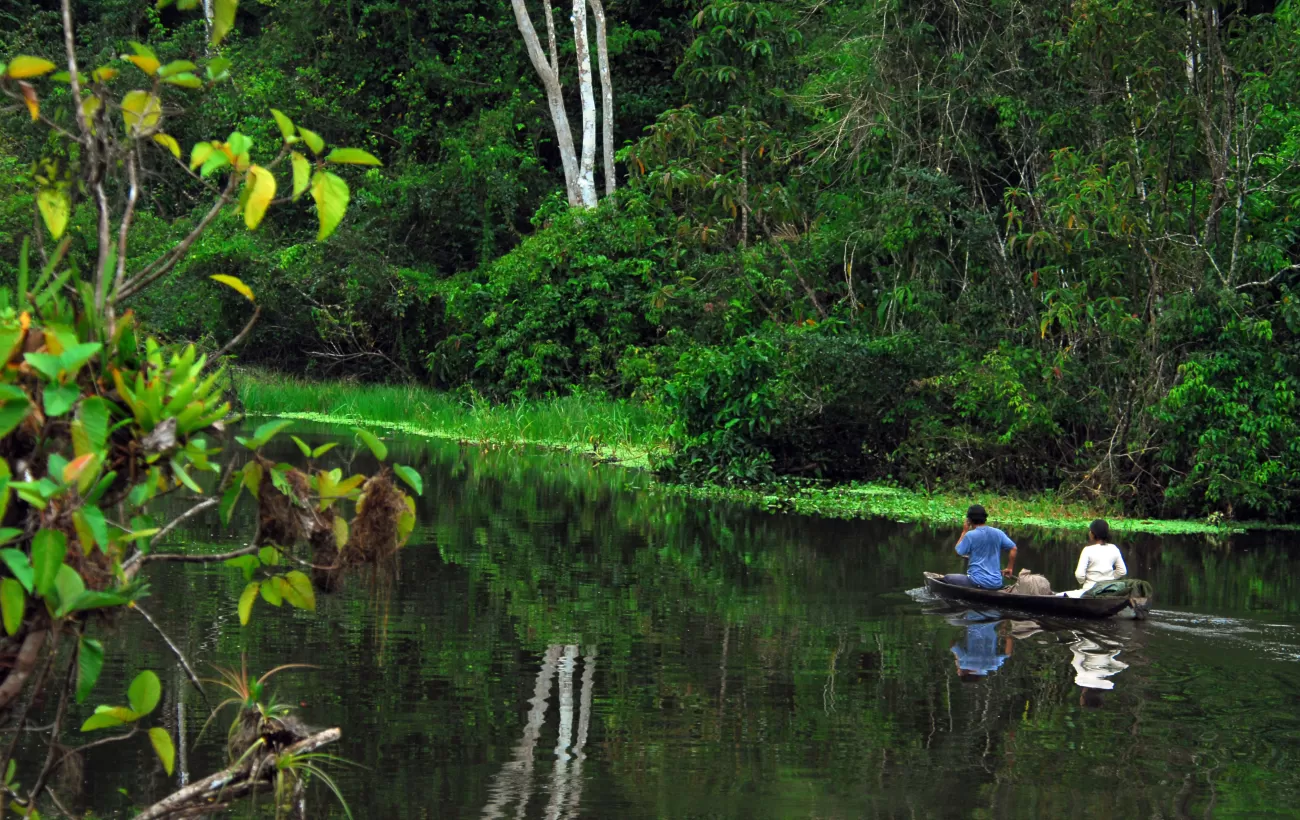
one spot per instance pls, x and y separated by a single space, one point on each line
13 603
200 154
261 184
298 592
243 290
271 592
140 111
223 19
144 692
149 65
246 602
331 195
30 99
162 744
313 140
184 80
24 67
301 173
169 142
352 156
176 67
285 124
340 531
55 208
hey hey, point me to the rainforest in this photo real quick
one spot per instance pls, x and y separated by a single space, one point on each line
568 313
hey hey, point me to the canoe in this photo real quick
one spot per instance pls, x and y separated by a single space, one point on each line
1044 604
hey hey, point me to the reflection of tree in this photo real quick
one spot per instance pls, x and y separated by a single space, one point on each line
514 783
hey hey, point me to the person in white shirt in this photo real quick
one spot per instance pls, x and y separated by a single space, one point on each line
1100 561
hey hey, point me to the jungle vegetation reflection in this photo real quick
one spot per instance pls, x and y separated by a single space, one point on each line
563 642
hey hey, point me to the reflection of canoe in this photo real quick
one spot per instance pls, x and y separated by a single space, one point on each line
1046 604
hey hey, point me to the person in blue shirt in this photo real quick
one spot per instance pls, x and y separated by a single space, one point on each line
982 546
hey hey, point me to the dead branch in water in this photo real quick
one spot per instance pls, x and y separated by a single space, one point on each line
232 782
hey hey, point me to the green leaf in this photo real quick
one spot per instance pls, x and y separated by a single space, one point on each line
271 592
246 564
162 744
94 415
323 449
263 434
14 406
107 720
313 140
8 534
18 564
284 123
144 693
218 69
68 587
411 477
47 364
269 556
97 599
48 549
298 591
352 156
185 80
176 67
372 441
301 174
228 501
141 111
90 662
96 523
223 19
332 195
246 600
59 399
13 604
302 446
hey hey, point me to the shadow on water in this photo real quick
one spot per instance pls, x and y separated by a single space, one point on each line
563 642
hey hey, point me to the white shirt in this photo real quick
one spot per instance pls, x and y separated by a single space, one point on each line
1099 562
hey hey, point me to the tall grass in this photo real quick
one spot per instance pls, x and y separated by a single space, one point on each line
609 428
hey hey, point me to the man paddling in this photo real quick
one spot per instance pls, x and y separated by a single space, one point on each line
982 546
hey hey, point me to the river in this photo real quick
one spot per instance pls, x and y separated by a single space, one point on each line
565 641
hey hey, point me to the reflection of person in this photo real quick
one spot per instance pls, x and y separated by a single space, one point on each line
982 546
1100 561
979 655
1094 665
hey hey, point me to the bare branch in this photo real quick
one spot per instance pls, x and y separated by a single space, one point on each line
205 504
239 338
194 679
167 261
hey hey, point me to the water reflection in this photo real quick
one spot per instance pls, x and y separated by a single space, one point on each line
514 783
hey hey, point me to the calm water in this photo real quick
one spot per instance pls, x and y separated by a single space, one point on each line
563 642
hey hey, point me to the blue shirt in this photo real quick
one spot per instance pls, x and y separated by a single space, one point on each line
983 546
980 654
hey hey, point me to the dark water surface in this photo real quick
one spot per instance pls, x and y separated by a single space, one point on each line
563 642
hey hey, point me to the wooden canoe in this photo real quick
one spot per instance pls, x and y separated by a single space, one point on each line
1042 604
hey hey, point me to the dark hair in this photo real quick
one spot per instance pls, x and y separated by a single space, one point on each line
977 514
1090 698
1100 530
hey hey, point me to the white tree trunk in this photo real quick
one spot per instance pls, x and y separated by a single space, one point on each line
551 82
607 95
587 168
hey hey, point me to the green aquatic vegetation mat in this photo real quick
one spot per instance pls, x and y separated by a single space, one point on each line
626 433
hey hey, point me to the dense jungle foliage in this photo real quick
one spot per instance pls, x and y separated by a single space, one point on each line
1028 245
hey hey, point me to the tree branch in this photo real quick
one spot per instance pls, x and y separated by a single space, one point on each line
167 261
194 679
232 781
239 338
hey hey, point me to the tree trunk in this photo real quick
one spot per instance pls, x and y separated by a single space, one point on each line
551 82
587 169
607 95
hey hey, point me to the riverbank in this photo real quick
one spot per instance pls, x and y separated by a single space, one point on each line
627 433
